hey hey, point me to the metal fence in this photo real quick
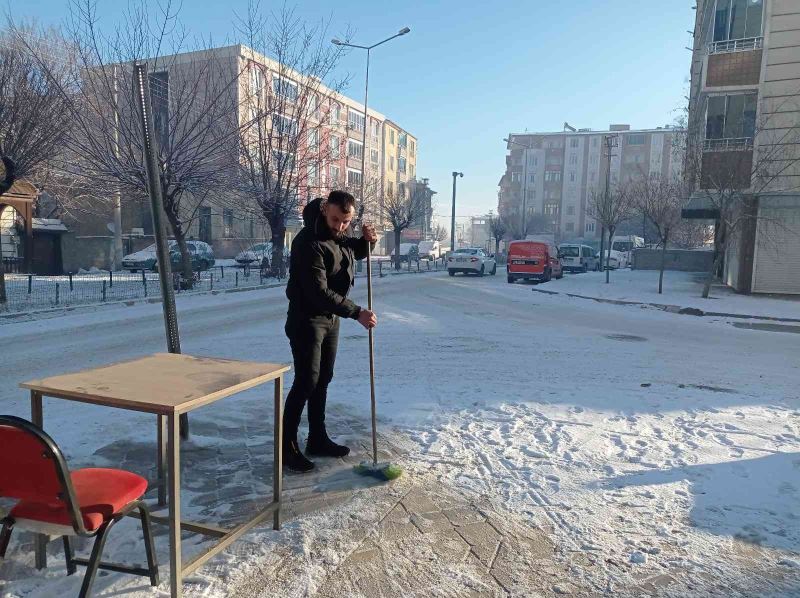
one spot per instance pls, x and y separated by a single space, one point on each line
27 292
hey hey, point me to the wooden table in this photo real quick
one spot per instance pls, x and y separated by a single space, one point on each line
168 385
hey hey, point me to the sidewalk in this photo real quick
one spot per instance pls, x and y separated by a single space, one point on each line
682 294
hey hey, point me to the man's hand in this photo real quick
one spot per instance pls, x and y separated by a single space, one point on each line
367 319
369 233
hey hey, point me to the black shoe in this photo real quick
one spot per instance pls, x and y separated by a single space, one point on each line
325 447
295 460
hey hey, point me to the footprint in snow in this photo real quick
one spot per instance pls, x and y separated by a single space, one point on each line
552 478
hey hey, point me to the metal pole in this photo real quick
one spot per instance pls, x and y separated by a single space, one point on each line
364 139
525 193
118 251
453 217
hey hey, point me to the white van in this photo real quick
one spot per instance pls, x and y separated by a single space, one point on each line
430 250
626 244
578 258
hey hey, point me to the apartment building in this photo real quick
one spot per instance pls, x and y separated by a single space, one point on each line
555 173
745 110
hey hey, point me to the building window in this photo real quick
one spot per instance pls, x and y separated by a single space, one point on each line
391 163
570 210
313 175
375 128
227 223
390 189
402 139
516 177
335 174
731 117
570 227
412 147
573 159
412 171
256 80
334 142
313 104
552 176
391 136
573 142
282 161
284 125
374 156
590 227
737 19
285 88
531 178
401 190
638 139
355 149
401 165
571 176
205 224
313 140
355 120
353 177
335 114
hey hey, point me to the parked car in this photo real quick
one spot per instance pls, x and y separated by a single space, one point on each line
430 250
146 259
408 251
533 260
256 254
471 260
616 260
578 258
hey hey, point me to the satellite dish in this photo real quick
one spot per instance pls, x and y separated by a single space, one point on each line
110 226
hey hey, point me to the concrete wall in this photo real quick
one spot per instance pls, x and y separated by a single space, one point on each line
683 260
85 252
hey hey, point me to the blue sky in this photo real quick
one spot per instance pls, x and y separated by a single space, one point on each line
471 72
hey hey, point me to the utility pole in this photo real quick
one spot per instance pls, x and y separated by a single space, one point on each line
453 216
610 142
118 250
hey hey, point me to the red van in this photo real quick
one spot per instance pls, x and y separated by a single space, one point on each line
533 260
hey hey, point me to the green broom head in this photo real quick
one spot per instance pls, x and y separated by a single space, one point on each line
381 471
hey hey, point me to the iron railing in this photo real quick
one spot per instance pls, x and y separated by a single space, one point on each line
728 144
736 45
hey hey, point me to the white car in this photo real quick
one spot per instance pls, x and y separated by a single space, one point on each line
255 254
471 260
617 259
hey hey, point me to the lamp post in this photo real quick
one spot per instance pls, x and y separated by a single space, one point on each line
525 149
338 42
453 217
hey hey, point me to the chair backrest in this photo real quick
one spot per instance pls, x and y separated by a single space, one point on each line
32 466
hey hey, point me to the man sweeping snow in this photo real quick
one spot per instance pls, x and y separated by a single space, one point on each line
321 275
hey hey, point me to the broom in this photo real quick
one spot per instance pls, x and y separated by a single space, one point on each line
384 470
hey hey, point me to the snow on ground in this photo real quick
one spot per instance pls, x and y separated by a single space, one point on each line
680 288
653 443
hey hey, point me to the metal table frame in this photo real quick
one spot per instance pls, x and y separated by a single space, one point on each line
168 466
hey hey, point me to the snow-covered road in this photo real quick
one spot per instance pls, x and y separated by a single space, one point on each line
653 443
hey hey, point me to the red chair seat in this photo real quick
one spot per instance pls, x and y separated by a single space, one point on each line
100 493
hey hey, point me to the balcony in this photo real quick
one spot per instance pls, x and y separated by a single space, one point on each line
728 145
736 45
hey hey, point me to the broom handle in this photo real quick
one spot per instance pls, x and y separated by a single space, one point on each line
371 358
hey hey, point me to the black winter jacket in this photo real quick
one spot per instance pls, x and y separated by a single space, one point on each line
322 269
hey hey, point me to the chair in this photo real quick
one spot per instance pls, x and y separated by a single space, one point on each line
56 502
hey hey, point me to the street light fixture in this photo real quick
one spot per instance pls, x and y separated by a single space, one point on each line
339 42
453 218
525 149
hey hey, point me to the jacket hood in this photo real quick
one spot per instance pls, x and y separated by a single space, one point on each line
311 212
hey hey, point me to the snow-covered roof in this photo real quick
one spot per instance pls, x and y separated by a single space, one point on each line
49 225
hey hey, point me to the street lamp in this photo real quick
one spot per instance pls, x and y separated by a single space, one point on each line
453 218
339 42
525 149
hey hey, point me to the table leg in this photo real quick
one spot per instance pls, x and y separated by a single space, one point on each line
174 464
277 475
162 460
40 542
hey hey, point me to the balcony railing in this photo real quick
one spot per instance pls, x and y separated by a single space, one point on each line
736 45
728 145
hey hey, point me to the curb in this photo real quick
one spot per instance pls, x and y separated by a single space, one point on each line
673 309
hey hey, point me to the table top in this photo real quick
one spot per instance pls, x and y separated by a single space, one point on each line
163 383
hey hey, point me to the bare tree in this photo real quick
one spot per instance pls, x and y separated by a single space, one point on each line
660 200
439 233
498 229
610 209
194 103
292 114
403 210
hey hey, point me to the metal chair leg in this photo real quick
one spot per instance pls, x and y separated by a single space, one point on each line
149 545
69 555
94 560
5 536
